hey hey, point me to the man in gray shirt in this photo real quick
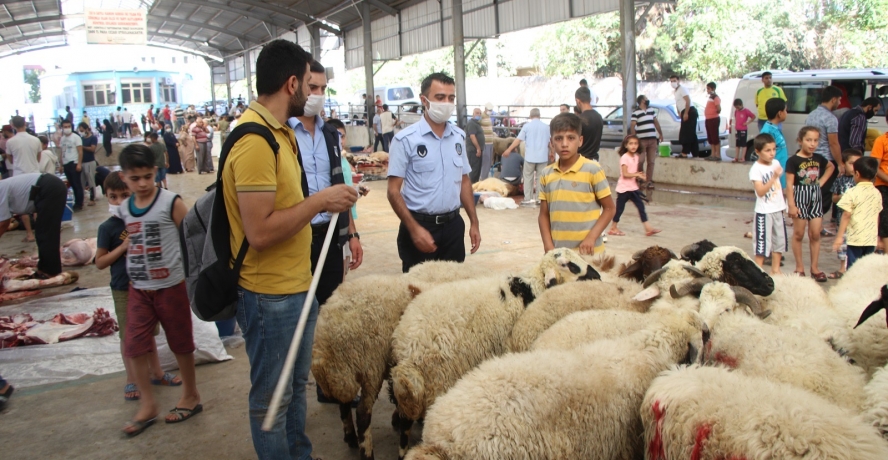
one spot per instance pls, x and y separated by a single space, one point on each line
823 119
475 144
44 194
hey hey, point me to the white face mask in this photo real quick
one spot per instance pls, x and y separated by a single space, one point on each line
674 84
314 104
67 131
114 209
440 112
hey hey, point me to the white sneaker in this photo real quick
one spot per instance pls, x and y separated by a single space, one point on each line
528 203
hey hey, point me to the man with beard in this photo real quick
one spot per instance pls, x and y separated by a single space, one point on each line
852 126
268 204
828 147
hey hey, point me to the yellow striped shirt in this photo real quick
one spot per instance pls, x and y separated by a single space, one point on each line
573 198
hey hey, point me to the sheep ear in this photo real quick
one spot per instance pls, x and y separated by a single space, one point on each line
650 293
414 290
551 277
873 307
591 274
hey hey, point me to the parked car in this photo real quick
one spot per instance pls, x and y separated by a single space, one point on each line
613 134
220 107
392 95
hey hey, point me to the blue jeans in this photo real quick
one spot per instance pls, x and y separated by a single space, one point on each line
856 252
268 323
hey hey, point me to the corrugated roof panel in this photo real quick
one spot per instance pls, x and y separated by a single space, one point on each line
523 14
386 42
420 28
590 7
303 37
479 18
354 52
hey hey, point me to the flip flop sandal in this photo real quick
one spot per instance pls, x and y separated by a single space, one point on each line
138 426
801 274
652 232
819 277
166 381
183 414
131 388
616 233
835 275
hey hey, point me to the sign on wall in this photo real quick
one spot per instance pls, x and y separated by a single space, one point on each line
116 27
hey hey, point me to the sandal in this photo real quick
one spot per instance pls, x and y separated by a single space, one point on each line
183 414
136 427
652 232
131 388
819 277
801 274
168 380
615 232
837 275
28 240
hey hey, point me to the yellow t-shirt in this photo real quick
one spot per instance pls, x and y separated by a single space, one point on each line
573 199
284 268
762 96
864 202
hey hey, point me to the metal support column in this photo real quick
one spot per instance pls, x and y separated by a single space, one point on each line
248 72
227 63
627 34
459 61
213 87
315 32
368 61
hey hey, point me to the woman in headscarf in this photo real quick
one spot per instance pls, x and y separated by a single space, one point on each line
172 145
107 134
186 148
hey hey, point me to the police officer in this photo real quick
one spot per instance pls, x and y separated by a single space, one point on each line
428 178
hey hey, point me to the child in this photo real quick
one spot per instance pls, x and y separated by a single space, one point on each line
768 227
161 160
111 246
575 183
862 205
806 172
352 258
842 184
47 162
742 116
157 293
776 111
627 187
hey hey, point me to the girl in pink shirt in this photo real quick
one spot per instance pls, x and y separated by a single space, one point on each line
627 187
742 116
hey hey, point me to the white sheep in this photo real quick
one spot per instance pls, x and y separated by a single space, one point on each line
710 413
800 303
451 328
352 343
558 404
585 327
860 286
876 405
560 301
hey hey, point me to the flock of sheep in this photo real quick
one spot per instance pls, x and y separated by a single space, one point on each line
702 357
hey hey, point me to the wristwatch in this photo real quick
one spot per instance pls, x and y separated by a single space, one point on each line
354 235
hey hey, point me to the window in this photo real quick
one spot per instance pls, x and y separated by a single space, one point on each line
99 94
880 90
168 92
400 94
136 92
185 59
143 59
152 60
802 97
174 59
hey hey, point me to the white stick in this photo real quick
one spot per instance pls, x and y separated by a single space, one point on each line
286 373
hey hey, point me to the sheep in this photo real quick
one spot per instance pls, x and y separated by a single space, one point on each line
800 303
858 288
709 413
693 253
585 327
580 403
451 328
352 344
731 265
560 301
876 412
645 262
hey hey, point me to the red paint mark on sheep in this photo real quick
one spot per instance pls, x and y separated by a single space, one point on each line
703 432
727 360
656 449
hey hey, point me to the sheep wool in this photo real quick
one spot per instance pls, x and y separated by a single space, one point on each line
860 286
557 404
560 301
711 413
876 412
585 327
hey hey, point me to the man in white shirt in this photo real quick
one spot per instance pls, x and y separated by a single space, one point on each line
23 148
387 121
72 161
585 84
537 154
687 133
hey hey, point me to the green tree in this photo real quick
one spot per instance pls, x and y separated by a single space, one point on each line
32 77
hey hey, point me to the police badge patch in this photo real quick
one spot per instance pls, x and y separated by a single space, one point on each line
459 149
421 150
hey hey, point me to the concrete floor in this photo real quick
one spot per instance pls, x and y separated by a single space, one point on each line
83 418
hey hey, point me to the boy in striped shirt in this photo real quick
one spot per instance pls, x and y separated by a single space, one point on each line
575 200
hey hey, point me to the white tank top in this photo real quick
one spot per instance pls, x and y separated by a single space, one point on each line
154 258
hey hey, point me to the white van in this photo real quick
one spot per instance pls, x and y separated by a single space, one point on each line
803 96
392 95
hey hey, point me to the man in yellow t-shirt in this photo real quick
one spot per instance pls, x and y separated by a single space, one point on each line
266 203
862 205
764 94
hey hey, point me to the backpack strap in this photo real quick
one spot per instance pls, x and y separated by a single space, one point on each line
239 131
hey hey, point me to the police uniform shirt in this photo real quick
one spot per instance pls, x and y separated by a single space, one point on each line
432 167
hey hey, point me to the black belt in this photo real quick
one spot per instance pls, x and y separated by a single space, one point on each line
319 229
437 219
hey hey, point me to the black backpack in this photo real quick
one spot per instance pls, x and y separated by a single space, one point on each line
210 280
